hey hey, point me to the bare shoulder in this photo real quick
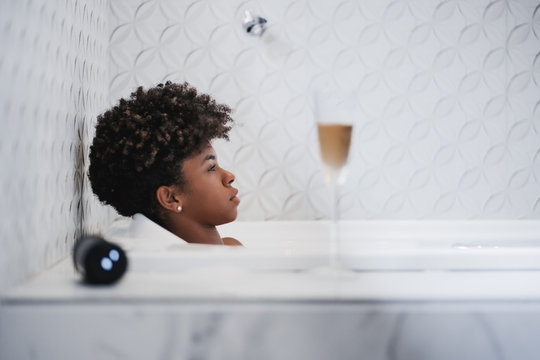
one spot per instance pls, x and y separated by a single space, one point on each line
231 241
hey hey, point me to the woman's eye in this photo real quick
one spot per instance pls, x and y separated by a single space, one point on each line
212 168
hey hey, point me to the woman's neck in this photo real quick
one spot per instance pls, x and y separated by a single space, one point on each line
194 232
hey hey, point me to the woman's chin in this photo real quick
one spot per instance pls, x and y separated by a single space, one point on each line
228 219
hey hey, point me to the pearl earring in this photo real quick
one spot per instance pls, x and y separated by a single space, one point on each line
179 208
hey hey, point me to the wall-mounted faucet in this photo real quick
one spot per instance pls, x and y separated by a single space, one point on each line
253 25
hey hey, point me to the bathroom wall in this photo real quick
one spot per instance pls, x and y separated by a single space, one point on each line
54 72
447 123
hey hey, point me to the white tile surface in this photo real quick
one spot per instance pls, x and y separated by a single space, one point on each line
54 72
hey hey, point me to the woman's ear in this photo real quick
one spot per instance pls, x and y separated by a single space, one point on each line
169 198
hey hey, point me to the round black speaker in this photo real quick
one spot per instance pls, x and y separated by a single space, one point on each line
99 261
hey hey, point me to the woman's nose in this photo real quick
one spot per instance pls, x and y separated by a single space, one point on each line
228 178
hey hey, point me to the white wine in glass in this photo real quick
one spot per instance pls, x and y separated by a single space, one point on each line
333 115
335 143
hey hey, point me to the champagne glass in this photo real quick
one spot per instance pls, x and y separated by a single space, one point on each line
333 114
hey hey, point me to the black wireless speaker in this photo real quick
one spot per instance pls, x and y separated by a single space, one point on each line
99 261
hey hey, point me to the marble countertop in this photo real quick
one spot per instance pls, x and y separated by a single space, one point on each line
62 284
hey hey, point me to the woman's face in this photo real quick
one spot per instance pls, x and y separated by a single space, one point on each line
208 197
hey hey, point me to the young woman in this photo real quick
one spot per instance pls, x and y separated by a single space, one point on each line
152 158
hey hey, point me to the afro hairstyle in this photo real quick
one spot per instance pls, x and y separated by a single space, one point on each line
141 143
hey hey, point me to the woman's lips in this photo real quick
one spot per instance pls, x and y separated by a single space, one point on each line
235 199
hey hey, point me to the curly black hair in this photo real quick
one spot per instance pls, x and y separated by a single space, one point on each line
141 143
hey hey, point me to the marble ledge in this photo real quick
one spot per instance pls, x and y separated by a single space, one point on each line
61 284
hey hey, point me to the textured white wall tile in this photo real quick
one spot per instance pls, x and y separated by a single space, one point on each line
53 68
447 95
446 125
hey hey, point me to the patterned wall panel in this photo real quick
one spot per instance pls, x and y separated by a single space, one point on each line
447 94
54 72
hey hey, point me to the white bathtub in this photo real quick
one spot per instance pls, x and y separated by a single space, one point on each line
364 246
249 297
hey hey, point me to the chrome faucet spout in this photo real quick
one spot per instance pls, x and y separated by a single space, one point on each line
254 25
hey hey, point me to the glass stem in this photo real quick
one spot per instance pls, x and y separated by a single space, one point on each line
334 200
334 230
